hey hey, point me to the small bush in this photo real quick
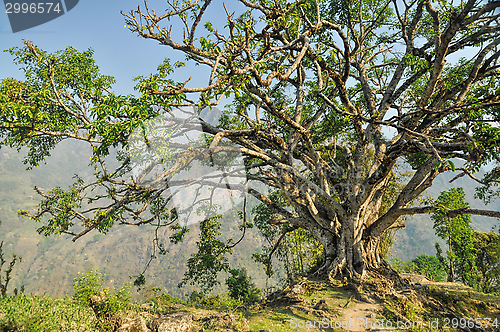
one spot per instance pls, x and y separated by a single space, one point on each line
107 305
213 301
217 301
167 299
42 313
195 297
148 293
426 265
241 286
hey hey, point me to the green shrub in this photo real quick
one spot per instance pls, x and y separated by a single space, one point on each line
195 297
167 299
42 313
219 301
429 266
426 265
149 293
87 285
108 306
241 286
213 301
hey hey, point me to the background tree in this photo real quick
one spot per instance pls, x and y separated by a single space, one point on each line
429 266
314 86
487 247
458 235
5 275
426 265
241 287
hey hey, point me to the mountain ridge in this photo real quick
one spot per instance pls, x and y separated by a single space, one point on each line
50 264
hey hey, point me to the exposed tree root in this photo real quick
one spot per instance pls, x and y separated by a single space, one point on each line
401 300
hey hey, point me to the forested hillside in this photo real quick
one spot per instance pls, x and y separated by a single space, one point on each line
49 264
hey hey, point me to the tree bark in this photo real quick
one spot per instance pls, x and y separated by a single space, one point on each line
345 252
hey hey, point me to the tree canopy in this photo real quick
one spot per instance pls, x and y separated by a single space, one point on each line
326 99
458 234
487 260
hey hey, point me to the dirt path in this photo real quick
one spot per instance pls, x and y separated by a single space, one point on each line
361 316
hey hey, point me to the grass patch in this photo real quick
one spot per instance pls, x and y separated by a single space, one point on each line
460 290
281 320
42 313
465 300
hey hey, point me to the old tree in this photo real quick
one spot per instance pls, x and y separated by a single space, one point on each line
326 98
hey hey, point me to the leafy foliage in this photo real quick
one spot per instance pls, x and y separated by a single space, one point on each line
241 287
426 265
458 234
210 258
44 314
487 247
107 306
313 86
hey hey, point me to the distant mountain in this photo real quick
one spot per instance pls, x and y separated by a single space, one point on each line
50 264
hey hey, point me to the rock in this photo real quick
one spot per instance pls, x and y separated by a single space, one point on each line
415 278
175 322
225 322
176 306
295 308
286 300
286 296
297 290
137 324
321 305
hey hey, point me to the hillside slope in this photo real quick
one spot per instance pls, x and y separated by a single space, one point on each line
307 306
50 264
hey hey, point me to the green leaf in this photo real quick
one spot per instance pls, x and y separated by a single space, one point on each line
452 165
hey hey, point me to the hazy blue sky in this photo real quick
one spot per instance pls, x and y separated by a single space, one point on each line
99 25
